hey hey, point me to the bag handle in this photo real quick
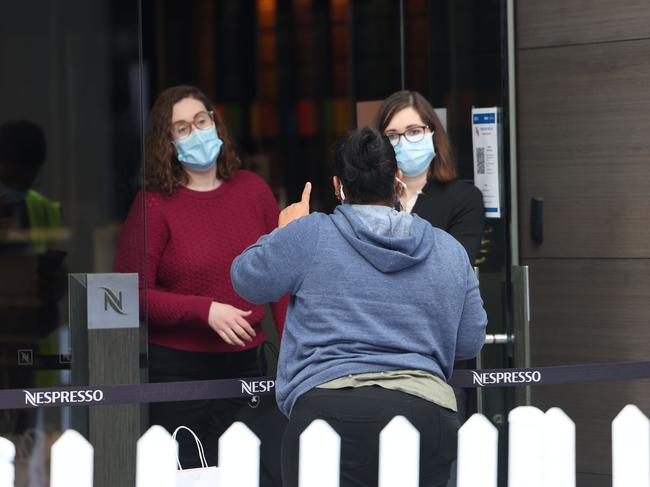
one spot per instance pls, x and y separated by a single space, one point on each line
204 462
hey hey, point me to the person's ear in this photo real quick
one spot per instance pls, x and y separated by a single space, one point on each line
400 185
337 187
399 174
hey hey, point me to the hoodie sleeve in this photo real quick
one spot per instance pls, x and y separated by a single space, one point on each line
473 320
276 264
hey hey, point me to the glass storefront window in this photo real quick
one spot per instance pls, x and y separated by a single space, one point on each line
286 77
70 146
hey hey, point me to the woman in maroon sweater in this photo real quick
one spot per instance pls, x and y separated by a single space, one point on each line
198 211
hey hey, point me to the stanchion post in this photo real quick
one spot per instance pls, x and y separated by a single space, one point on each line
105 331
521 327
479 365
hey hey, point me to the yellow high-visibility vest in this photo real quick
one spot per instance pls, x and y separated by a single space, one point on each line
44 220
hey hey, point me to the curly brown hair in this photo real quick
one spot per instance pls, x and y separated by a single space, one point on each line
162 170
444 169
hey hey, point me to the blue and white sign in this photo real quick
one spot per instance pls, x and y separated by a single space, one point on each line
485 141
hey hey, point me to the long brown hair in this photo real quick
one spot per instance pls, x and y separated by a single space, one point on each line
443 169
162 170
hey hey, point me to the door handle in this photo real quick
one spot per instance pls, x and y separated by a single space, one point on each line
537 219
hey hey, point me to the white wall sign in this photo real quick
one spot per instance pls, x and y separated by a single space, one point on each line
485 138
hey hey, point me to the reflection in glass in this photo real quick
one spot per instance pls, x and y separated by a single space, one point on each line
69 150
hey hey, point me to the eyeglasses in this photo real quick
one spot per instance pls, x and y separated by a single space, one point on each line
411 134
183 129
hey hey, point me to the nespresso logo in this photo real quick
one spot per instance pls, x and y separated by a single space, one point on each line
63 397
113 300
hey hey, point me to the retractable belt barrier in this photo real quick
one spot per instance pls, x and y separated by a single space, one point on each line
259 386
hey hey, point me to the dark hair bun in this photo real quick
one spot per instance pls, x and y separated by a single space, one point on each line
365 163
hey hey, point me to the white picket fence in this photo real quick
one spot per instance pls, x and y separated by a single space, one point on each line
541 454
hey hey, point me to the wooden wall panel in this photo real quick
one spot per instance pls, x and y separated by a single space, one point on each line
583 125
562 22
593 407
591 311
583 102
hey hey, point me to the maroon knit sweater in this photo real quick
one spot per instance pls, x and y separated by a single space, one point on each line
191 240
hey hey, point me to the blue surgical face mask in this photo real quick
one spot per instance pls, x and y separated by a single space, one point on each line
413 158
11 196
199 151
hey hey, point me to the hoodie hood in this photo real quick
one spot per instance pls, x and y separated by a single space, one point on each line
388 239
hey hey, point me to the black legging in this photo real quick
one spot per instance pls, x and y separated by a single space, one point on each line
358 415
210 418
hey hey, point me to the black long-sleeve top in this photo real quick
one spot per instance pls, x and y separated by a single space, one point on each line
457 208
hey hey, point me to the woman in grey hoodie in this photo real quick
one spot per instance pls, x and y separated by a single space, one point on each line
382 304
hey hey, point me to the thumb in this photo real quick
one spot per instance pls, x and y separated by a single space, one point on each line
244 313
306 193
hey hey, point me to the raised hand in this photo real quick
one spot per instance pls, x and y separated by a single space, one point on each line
296 210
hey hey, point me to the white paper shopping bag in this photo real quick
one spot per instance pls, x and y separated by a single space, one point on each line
196 477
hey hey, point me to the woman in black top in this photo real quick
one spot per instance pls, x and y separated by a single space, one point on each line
425 157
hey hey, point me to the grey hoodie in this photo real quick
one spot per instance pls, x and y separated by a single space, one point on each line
371 289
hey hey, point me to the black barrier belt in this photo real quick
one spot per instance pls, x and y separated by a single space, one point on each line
546 376
259 386
136 393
